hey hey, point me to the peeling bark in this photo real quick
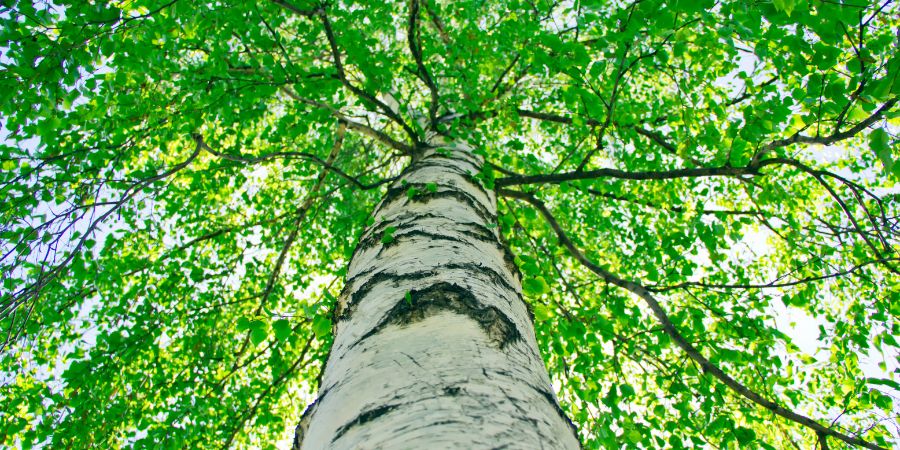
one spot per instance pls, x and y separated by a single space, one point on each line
434 346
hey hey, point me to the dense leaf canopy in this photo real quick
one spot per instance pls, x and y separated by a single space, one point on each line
183 183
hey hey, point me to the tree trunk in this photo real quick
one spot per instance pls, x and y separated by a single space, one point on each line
434 346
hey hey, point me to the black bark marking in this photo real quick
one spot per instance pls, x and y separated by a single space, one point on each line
413 360
401 235
380 277
495 276
478 232
423 195
363 418
373 236
410 220
419 276
487 235
429 162
452 391
423 303
464 174
552 399
455 155
481 230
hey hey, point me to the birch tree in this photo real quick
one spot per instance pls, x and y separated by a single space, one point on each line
449 224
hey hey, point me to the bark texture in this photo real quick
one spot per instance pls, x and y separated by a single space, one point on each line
434 346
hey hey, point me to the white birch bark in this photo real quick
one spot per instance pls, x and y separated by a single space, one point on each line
434 346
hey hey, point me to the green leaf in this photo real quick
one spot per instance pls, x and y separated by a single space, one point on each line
542 312
744 435
388 235
785 6
882 401
321 327
258 335
879 142
282 329
633 436
196 274
534 287
884 382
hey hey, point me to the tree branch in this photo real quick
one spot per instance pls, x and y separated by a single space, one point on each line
625 175
412 36
751 169
770 285
505 73
670 329
339 67
798 138
674 209
818 176
380 136
292 237
658 138
652 135
247 414
438 24
33 290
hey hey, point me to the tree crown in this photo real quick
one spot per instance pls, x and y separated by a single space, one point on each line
185 181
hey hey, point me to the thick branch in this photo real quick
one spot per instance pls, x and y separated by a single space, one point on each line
625 175
675 335
362 128
751 169
339 67
553 117
412 35
797 138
